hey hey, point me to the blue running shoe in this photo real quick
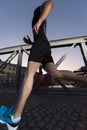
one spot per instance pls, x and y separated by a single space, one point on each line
5 117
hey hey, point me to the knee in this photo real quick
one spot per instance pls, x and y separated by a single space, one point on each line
54 75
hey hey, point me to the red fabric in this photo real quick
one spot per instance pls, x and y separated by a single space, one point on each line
44 83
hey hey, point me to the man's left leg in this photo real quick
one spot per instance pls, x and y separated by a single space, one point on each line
64 74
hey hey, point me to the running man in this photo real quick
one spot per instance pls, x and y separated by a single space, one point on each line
40 55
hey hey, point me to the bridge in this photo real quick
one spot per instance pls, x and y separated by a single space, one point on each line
80 41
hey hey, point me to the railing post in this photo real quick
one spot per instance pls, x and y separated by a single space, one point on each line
18 69
84 52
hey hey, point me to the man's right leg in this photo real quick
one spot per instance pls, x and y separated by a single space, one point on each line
12 119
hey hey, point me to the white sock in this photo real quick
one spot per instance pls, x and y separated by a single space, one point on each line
15 119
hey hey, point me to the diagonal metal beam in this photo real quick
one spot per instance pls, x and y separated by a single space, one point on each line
8 60
84 52
65 55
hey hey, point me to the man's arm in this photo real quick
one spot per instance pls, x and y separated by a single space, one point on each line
46 9
27 40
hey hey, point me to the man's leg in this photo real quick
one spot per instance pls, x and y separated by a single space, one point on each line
7 115
26 87
64 74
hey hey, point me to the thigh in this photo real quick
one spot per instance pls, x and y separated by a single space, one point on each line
50 68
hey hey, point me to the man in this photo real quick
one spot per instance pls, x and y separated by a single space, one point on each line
40 55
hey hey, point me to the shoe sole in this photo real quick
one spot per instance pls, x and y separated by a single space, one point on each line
9 126
2 122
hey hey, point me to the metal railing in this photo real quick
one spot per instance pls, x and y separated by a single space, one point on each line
18 50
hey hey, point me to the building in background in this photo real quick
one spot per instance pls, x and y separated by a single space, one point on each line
8 74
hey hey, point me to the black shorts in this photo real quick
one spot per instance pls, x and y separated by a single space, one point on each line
41 52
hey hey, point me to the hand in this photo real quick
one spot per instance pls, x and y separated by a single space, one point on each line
36 27
27 40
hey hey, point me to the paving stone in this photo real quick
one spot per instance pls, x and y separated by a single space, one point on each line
50 111
68 127
35 128
46 119
81 124
57 128
82 118
61 124
41 124
75 114
53 121
48 126
32 123
79 128
71 122
23 123
23 128
64 119
74 118
38 118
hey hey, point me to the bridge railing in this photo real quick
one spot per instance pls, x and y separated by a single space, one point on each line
18 50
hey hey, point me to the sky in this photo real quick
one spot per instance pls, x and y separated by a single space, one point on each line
67 19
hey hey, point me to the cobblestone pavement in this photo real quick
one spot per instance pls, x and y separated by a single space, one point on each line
50 111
